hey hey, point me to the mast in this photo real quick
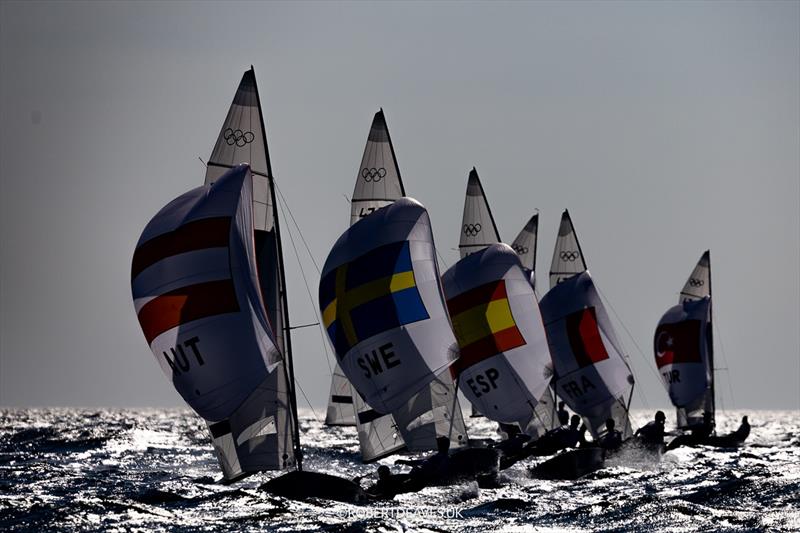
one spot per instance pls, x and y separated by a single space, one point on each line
287 332
711 344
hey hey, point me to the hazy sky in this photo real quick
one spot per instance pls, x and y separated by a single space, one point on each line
665 128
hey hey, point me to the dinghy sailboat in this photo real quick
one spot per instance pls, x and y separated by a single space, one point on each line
432 412
209 290
591 374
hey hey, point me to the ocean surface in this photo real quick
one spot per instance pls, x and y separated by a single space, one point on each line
140 469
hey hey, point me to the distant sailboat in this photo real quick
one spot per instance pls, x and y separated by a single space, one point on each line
591 374
684 349
525 245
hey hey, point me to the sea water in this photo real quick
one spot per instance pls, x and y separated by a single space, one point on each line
145 469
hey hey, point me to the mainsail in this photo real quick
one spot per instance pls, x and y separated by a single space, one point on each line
567 256
198 292
383 308
504 366
478 229
525 246
591 374
684 349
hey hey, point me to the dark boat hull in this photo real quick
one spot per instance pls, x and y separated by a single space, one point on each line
570 465
300 485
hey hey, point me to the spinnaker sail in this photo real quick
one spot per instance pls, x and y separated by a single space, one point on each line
197 290
591 373
383 308
504 366
684 349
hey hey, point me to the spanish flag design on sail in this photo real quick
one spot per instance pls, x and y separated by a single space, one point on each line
373 293
483 324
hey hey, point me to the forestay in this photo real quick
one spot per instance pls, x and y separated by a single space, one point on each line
195 284
567 255
478 229
504 366
383 308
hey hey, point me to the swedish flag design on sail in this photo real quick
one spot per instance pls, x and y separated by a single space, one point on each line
373 293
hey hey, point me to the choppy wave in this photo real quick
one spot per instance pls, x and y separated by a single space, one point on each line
77 469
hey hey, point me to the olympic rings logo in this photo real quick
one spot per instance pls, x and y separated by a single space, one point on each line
694 282
373 174
520 249
569 255
470 230
238 137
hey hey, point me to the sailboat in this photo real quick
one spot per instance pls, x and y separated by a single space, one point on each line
383 308
478 231
525 245
684 350
591 374
209 290
504 366
431 413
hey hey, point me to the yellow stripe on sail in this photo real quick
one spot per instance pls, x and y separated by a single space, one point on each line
329 314
482 321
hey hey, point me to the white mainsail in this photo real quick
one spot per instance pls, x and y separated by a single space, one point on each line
683 348
504 366
383 307
198 294
478 229
591 374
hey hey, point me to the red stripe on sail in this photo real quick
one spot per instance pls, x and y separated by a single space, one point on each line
478 296
196 235
186 304
487 347
678 342
584 337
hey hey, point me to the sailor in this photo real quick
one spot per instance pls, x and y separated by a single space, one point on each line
612 439
548 444
653 432
389 485
433 467
700 434
743 432
514 442
563 415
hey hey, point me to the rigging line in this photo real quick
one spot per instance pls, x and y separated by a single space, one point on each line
308 250
718 337
305 280
638 348
313 412
639 390
441 259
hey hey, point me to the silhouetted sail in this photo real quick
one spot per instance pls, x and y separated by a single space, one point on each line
478 229
378 434
383 308
684 349
591 374
525 246
567 256
341 410
378 182
504 367
196 287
